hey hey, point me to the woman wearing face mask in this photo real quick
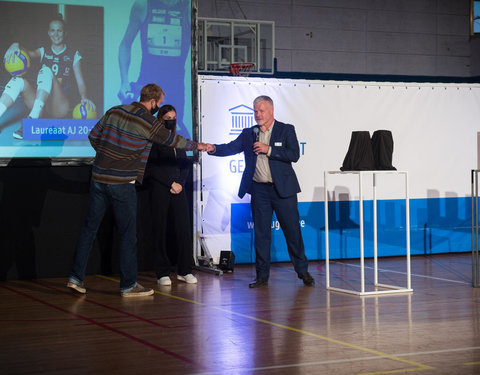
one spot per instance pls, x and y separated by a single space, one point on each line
165 177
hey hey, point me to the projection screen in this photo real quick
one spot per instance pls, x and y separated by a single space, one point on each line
100 56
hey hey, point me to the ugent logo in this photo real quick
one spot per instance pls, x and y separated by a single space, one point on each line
242 117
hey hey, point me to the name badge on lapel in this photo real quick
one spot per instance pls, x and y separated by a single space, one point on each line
278 144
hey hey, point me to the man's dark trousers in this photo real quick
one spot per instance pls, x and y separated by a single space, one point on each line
264 201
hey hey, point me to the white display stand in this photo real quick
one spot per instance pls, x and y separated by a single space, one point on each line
386 289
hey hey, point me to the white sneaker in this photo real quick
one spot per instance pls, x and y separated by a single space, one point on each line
165 280
189 279
18 134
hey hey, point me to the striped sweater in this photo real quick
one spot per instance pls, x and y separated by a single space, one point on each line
122 140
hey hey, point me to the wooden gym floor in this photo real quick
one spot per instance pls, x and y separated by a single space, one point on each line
220 326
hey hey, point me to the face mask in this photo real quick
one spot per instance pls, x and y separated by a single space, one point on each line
154 110
171 124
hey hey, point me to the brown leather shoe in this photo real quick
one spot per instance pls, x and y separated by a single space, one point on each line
307 279
258 283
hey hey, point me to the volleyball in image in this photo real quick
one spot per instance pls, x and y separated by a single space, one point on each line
18 64
82 112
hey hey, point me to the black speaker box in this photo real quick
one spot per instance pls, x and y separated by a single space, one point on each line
227 261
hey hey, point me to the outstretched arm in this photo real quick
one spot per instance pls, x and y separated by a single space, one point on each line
226 149
138 13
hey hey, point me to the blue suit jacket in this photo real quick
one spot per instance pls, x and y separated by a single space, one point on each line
285 150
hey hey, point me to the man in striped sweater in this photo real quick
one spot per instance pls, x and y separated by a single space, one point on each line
122 140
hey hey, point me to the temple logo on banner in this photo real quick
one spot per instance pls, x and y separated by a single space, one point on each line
242 117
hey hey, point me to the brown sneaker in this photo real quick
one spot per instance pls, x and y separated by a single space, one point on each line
77 287
138 291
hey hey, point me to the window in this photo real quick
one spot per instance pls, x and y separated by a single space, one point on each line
475 17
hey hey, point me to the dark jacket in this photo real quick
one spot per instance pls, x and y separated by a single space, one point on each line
167 165
285 150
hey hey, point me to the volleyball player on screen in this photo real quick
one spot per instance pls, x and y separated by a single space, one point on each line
53 90
165 28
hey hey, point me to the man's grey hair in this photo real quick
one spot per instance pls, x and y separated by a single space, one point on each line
263 98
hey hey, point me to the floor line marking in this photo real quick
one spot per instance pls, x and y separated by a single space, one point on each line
102 325
124 313
420 366
404 273
439 351
338 361
329 362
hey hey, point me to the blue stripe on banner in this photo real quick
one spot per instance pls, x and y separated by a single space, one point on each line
437 225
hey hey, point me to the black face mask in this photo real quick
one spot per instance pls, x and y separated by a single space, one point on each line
171 124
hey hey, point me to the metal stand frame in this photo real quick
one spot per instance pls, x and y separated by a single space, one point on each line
475 260
390 288
203 262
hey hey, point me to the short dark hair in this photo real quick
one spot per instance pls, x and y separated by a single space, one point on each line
165 109
151 91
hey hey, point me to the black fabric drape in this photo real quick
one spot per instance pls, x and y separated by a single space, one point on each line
359 155
382 147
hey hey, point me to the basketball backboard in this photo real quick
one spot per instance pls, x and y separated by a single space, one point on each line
224 41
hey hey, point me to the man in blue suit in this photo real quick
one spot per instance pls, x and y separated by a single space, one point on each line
269 149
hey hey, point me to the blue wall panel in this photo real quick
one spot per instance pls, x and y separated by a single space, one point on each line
437 225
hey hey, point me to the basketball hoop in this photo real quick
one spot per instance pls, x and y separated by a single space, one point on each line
242 69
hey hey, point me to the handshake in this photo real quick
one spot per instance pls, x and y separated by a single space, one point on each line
205 147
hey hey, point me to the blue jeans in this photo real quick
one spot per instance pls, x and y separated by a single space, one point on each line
123 199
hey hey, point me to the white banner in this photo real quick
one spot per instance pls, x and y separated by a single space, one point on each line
434 129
